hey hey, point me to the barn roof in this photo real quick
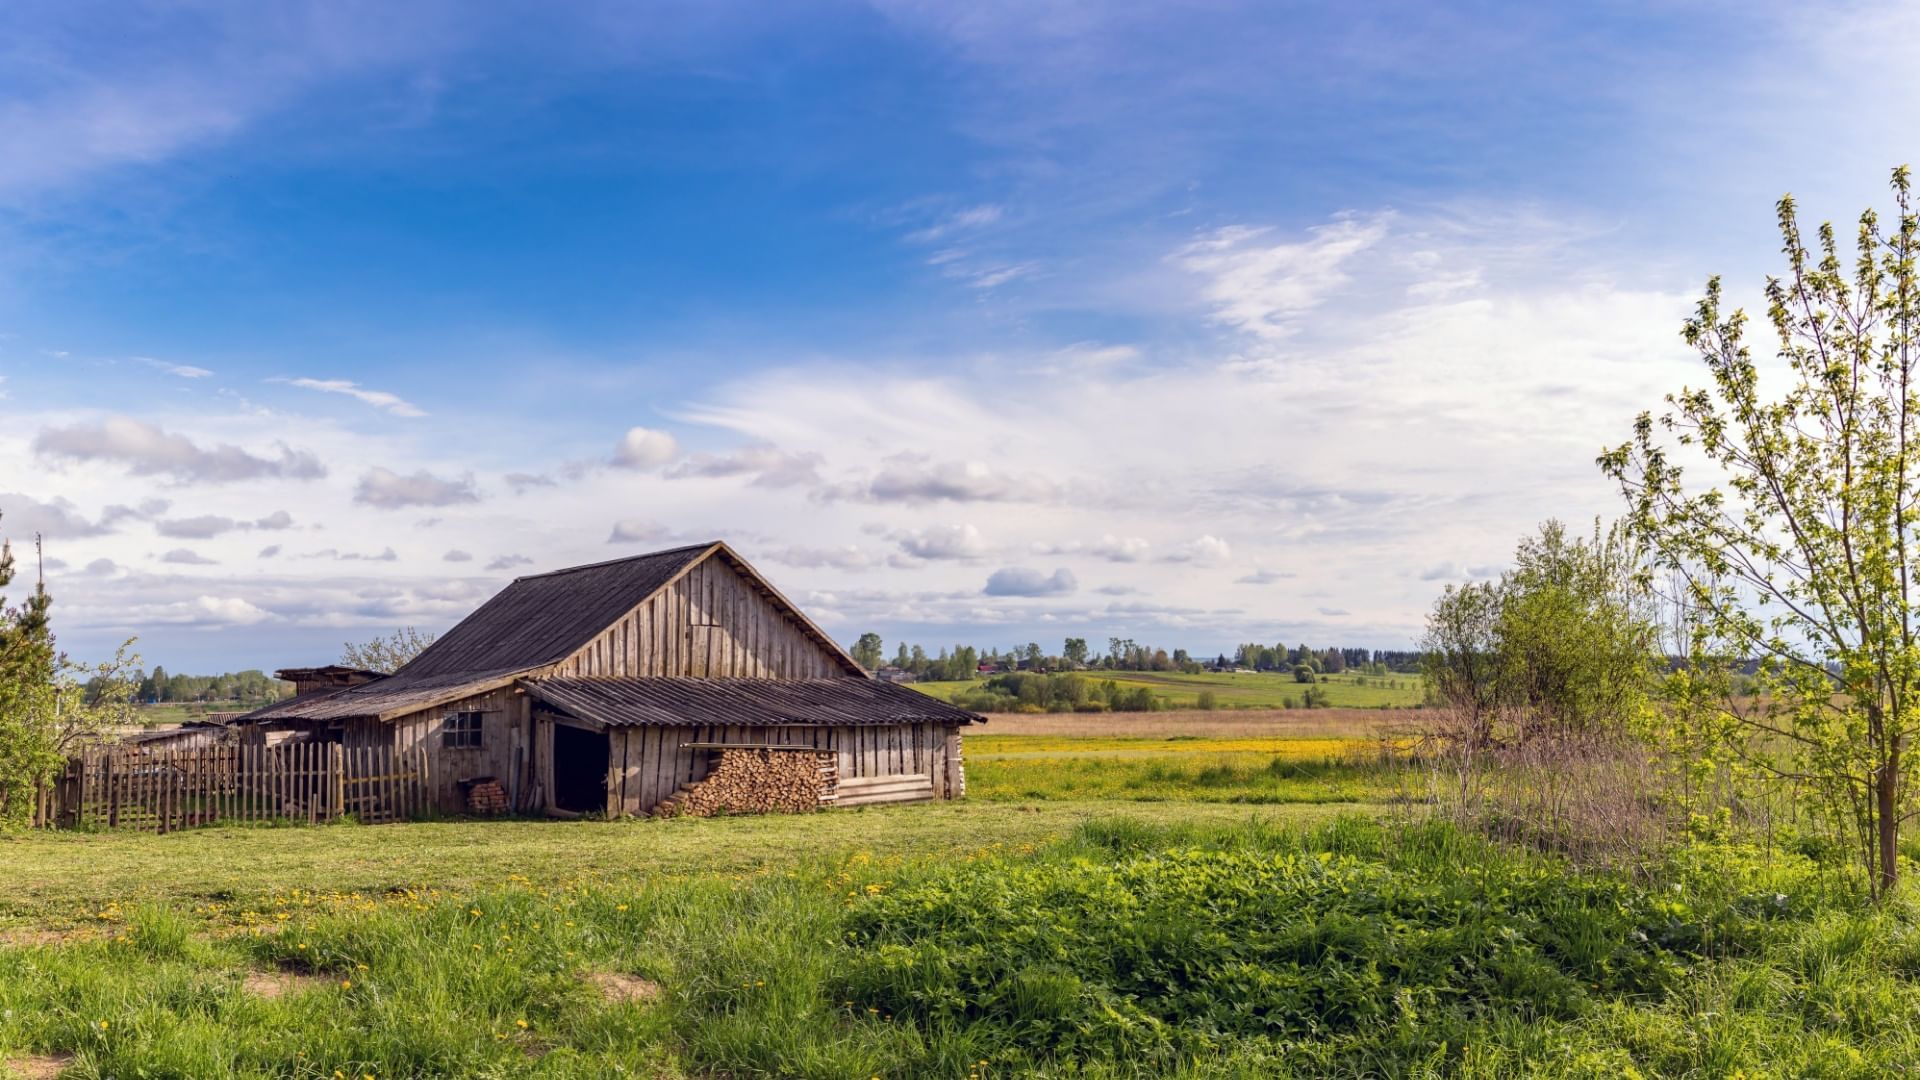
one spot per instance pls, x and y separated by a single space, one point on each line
684 702
545 618
536 622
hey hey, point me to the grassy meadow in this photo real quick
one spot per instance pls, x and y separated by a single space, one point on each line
1233 690
1221 894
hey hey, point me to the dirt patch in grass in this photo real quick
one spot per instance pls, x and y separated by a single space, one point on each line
278 984
26 937
35 1066
623 988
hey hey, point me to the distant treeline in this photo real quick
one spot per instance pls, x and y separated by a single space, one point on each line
1125 654
246 687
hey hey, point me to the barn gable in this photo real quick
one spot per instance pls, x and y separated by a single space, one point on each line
716 619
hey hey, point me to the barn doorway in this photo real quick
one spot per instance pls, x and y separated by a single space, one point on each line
579 769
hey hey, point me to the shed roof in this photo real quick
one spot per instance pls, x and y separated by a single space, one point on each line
683 702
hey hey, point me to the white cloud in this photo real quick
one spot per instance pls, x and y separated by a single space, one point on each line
388 490
231 610
146 450
456 555
1021 581
379 399
645 448
639 531
1203 551
768 465
844 558
205 527
186 557
508 562
182 371
1262 287
942 542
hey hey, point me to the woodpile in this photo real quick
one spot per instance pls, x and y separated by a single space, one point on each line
759 780
486 796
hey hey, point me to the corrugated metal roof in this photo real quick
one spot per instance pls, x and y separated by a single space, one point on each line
678 702
385 698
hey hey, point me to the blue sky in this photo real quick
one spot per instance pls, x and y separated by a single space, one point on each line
1194 323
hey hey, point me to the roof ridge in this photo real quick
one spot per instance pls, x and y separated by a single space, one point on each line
622 559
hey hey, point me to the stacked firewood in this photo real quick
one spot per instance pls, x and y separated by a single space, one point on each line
758 781
487 797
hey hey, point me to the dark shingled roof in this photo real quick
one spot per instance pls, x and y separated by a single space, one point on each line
546 618
679 702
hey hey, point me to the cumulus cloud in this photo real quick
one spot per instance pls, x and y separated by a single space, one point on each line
186 557
146 450
912 478
389 490
1333 612
456 555
768 465
275 521
102 568
1203 551
508 562
1262 577
270 551
1022 581
942 542
644 448
205 527
56 518
379 399
231 610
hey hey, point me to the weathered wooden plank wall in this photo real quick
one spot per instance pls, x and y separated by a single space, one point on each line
500 711
649 763
711 623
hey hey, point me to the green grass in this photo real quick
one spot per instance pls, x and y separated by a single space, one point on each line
242 875
1326 770
1125 948
1262 690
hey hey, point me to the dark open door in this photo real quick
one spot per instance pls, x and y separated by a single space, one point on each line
579 769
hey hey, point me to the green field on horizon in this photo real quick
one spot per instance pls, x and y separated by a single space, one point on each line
1240 690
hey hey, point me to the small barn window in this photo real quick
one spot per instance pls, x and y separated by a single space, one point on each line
463 731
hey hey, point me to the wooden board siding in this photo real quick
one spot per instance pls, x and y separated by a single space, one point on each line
709 623
451 765
649 763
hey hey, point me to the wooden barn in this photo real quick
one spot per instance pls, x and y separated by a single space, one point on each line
618 688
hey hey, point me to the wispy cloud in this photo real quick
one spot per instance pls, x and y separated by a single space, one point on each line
183 371
379 399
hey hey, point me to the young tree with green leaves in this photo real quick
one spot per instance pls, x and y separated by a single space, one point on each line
386 654
868 651
1801 549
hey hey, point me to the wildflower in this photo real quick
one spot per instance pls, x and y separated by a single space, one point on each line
521 1024
103 1025
346 984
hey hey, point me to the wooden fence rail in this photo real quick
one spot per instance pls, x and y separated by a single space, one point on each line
161 791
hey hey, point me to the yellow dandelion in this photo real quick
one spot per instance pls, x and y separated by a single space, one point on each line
346 984
521 1024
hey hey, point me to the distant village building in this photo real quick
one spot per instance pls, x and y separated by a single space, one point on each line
615 688
893 674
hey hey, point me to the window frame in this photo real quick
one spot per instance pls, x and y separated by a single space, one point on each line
464 730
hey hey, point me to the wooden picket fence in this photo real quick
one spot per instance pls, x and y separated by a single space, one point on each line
165 790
